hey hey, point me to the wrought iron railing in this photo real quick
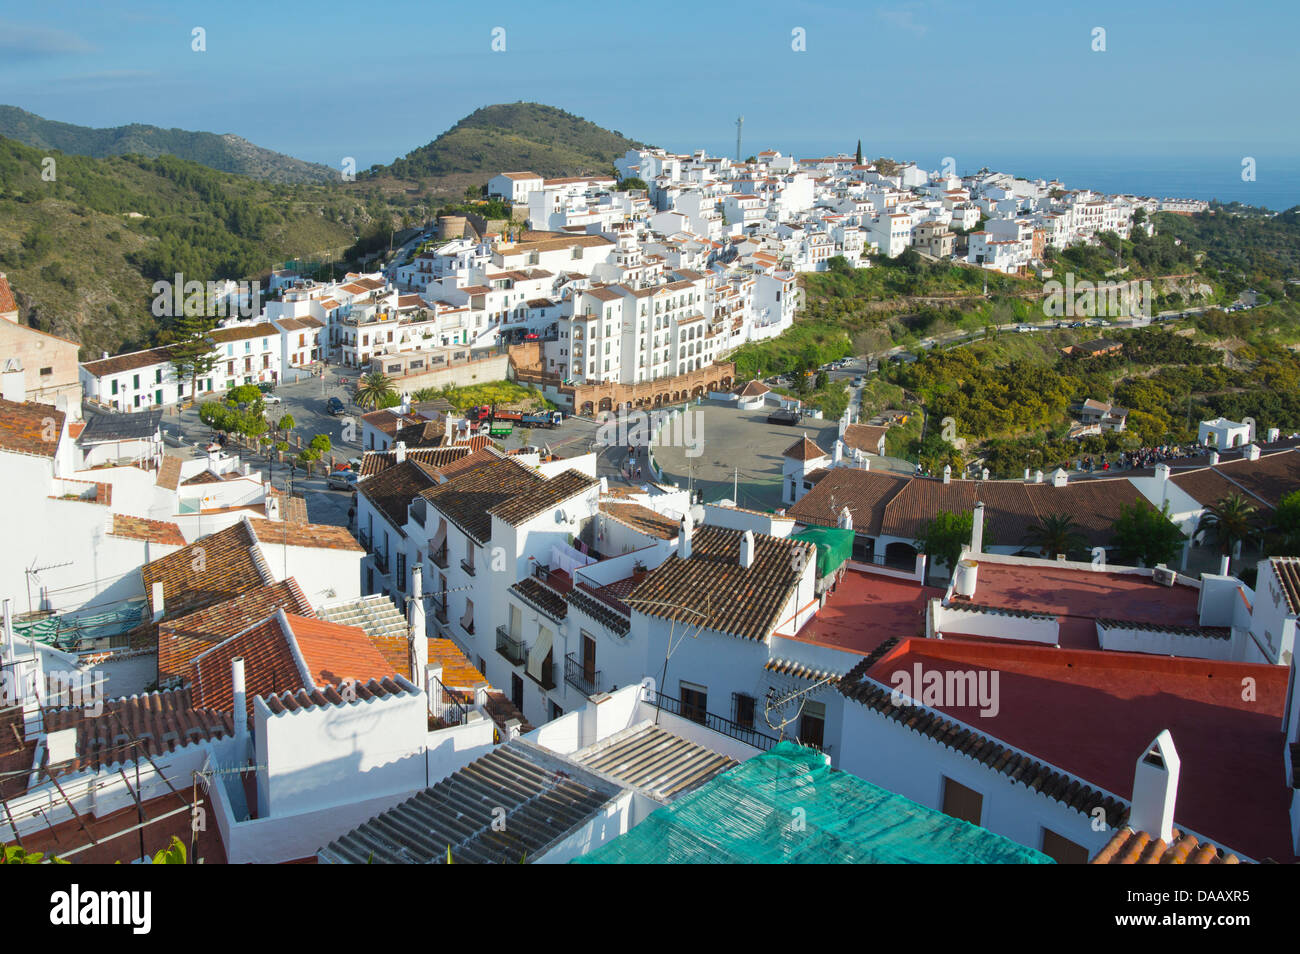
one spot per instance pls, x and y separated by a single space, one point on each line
447 706
381 561
467 566
580 676
510 647
440 558
746 734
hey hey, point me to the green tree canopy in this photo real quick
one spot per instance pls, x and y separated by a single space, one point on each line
1144 535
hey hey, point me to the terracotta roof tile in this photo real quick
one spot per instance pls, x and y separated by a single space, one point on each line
314 535
392 491
542 495
1129 847
213 568
804 449
30 428
466 500
642 518
169 472
140 528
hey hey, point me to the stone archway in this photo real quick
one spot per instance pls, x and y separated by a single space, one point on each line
606 403
588 408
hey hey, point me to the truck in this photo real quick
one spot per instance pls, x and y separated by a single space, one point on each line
546 419
502 429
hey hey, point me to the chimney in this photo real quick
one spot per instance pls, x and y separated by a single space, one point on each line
1225 564
239 706
272 505
747 549
1252 452
1026 475
1162 474
1214 458
684 538
966 577
399 452
1038 476
977 529
1060 478
157 599
837 454
984 474
1273 435
13 382
947 473
419 630
845 521
9 629
103 355
1155 787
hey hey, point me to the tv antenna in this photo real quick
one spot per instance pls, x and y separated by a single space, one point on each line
773 703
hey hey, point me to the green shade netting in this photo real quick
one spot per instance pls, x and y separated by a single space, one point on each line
834 546
788 806
63 632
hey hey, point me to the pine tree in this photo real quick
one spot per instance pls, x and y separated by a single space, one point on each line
859 153
193 354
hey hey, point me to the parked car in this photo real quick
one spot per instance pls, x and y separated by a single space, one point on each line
266 387
342 480
270 399
784 416
334 406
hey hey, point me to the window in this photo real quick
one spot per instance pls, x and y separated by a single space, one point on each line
157 376
114 386
135 381
695 702
742 709
1062 850
401 571
812 724
517 691
962 802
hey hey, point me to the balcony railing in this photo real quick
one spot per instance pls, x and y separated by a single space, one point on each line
440 558
467 566
381 561
510 647
580 676
440 612
746 734
364 539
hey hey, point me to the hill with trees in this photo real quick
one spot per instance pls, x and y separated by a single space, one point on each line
223 152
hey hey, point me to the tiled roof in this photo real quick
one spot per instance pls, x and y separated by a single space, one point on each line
804 449
335 653
732 599
269 666
541 597
788 667
213 568
1264 482
382 622
390 420
864 492
1129 847
599 610
141 528
1017 766
642 518
7 302
131 361
376 462
543 799
392 491
316 535
155 723
457 671
652 759
864 437
202 477
1287 571
466 500
180 640
169 472
243 332
542 495
30 428
293 701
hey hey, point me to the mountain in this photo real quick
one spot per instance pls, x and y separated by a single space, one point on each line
83 250
223 152
514 136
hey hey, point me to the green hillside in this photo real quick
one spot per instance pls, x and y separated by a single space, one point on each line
514 136
225 153
82 251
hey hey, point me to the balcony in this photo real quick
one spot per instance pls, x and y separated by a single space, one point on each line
547 681
468 567
381 561
440 612
580 676
510 647
746 734
440 558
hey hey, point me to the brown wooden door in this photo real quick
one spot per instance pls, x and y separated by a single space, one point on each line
588 659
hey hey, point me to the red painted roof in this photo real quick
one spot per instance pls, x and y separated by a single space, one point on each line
1093 713
866 609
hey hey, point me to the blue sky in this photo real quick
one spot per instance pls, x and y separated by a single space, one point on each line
913 78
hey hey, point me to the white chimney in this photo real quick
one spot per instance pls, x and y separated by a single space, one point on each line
432 692
157 598
399 451
977 529
239 706
1273 435
1162 474
845 521
684 538
947 473
9 628
419 627
1026 475
966 578
1060 478
984 474
747 549
1225 564
1252 452
272 504
1214 458
837 453
1038 476
1155 787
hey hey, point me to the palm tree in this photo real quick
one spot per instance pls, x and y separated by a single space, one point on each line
1230 521
426 394
373 390
1058 533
